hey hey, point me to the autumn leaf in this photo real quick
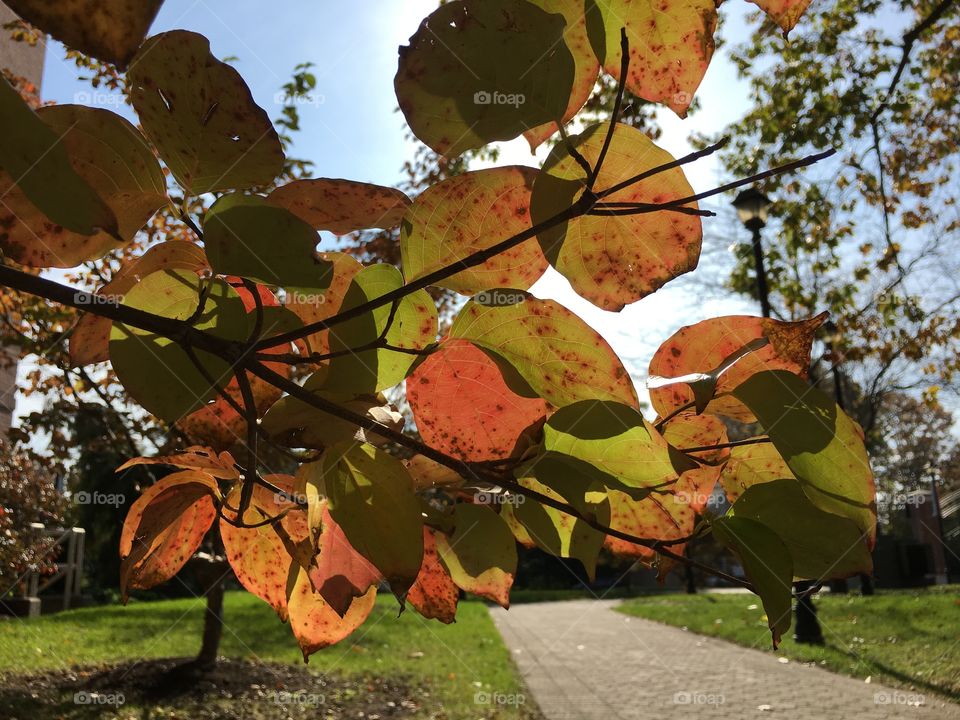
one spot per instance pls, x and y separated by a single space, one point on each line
468 213
463 406
614 260
434 594
341 206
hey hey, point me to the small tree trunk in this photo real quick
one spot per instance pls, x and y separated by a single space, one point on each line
866 584
839 587
690 580
210 571
212 627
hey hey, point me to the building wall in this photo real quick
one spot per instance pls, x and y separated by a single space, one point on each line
21 60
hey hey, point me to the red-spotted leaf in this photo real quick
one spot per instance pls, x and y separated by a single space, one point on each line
371 497
340 573
110 30
671 43
463 406
819 442
703 347
688 432
434 594
576 35
483 70
258 556
658 516
468 213
427 473
614 260
115 160
90 339
164 527
481 555
315 624
206 460
560 357
341 206
785 13
201 117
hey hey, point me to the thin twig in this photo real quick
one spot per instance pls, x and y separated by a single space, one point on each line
617 106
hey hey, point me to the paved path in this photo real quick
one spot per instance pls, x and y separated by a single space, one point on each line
584 661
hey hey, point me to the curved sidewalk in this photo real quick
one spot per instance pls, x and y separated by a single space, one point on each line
582 660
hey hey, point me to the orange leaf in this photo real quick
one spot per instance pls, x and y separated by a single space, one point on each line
671 43
164 527
434 594
785 13
688 430
464 408
315 624
340 573
341 206
702 347
657 516
205 459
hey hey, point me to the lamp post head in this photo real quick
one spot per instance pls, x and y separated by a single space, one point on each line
752 208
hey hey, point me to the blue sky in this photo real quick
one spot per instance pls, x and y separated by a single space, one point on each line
354 131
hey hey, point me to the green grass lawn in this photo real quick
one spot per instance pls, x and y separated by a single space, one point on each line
905 638
452 662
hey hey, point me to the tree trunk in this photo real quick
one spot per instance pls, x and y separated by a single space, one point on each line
210 572
866 584
839 587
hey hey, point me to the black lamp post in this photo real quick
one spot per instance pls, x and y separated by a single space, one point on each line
752 209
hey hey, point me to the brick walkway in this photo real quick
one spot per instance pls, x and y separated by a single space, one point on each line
584 661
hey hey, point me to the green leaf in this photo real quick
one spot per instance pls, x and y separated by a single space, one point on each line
614 445
750 465
562 358
38 164
559 533
823 545
414 327
468 213
372 499
481 555
822 446
156 370
110 30
767 564
201 117
483 70
245 235
613 261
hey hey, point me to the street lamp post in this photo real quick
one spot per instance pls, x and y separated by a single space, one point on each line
753 208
